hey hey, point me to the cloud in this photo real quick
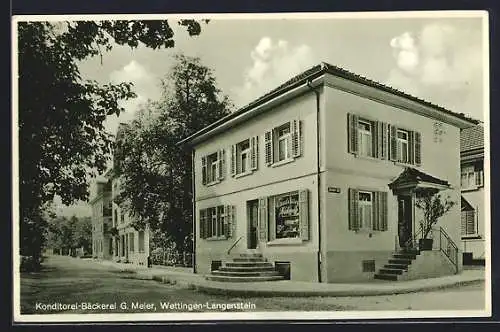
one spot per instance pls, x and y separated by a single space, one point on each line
441 63
145 86
272 64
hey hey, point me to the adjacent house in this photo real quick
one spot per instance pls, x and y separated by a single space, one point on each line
130 245
472 202
100 201
318 179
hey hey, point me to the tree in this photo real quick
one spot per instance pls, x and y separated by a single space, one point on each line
434 207
156 173
66 234
61 133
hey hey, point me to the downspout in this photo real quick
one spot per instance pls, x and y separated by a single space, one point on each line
318 178
193 198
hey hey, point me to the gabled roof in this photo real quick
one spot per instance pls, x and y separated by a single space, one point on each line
472 138
413 175
313 73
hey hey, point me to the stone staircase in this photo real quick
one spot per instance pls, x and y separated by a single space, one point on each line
397 265
246 267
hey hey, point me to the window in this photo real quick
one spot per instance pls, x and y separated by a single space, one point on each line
287 215
365 133
468 222
115 219
244 156
402 146
380 140
472 177
141 241
122 217
283 142
213 167
131 242
284 216
367 210
217 222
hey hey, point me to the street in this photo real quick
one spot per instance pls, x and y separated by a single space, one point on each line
72 285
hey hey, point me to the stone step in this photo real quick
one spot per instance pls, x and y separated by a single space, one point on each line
243 279
391 271
383 276
405 256
247 268
248 264
249 259
400 261
245 273
250 254
396 266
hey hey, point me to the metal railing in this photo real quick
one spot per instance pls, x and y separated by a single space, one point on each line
234 245
172 259
448 247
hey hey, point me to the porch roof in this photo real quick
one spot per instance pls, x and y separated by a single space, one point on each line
413 178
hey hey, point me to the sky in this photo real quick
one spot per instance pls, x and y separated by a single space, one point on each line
439 59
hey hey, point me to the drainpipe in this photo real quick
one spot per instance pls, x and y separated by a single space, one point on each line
317 93
194 208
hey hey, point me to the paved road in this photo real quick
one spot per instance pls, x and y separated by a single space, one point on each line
71 281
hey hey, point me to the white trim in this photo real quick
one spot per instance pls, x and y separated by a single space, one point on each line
282 162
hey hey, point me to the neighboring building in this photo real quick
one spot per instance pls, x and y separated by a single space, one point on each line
129 244
320 177
100 201
472 183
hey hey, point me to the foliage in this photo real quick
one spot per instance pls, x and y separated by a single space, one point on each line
61 133
66 234
434 207
156 173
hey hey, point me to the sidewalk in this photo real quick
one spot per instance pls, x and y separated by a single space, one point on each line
184 276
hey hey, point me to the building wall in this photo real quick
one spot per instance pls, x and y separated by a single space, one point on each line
265 181
440 158
476 245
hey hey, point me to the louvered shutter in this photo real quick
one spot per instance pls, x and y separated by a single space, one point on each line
304 214
352 130
418 148
382 137
204 170
233 225
393 143
268 140
464 222
411 147
375 212
375 147
480 178
382 210
263 219
254 152
353 210
221 161
296 138
233 160
202 227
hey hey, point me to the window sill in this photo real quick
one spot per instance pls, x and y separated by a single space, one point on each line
470 189
216 238
367 231
359 156
282 162
471 237
285 242
240 175
213 183
400 163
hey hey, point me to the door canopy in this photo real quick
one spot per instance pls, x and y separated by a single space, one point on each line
413 180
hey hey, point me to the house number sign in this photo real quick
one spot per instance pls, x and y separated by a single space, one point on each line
334 190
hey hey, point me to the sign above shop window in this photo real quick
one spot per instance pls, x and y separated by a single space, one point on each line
335 190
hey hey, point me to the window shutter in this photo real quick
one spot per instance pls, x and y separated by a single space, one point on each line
227 221
375 211
411 147
233 160
254 148
304 214
382 210
269 147
272 219
296 138
418 149
263 219
202 224
232 213
382 140
375 140
464 222
393 143
221 160
480 178
352 129
204 170
353 210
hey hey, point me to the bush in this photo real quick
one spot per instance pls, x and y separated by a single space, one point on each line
28 264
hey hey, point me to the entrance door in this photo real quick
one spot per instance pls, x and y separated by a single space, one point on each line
253 219
404 221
